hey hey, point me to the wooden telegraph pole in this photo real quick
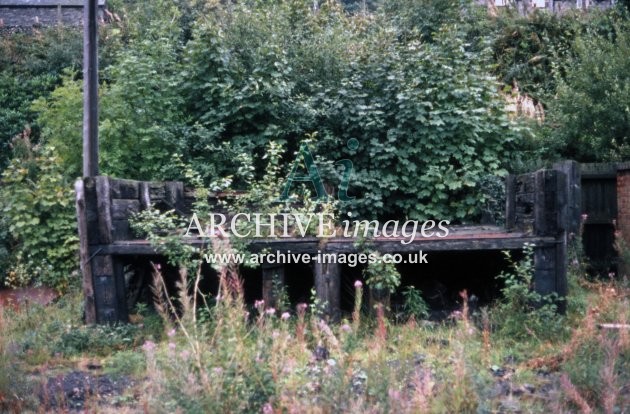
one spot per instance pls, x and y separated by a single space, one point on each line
90 149
90 88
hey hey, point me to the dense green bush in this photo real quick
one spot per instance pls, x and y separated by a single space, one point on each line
523 312
30 66
421 111
37 204
590 117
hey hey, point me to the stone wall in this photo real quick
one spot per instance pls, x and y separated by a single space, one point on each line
27 14
623 210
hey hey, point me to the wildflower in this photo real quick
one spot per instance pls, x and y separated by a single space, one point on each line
148 346
172 346
270 311
259 304
184 355
218 371
301 307
171 333
285 316
346 328
358 284
267 409
275 334
584 217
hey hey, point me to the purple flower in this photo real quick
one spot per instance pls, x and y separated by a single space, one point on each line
267 409
358 284
172 346
270 311
346 328
259 304
285 316
148 346
171 333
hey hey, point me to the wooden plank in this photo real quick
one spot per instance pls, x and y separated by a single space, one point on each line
124 209
561 265
125 189
145 196
550 197
571 169
174 193
328 287
510 202
141 247
87 283
122 313
104 288
157 192
598 170
121 230
89 188
103 206
613 326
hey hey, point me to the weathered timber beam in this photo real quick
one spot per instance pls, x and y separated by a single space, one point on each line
347 246
84 254
328 288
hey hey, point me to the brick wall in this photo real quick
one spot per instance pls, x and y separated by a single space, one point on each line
623 210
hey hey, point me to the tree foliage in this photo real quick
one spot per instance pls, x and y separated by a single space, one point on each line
591 113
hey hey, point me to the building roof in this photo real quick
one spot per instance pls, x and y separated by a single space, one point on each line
46 3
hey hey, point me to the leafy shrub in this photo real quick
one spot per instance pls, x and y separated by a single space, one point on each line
414 305
30 67
5 241
382 276
523 312
421 111
589 122
38 205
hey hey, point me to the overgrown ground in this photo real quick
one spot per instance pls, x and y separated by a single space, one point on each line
231 358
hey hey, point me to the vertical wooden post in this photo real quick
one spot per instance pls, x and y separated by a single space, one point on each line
107 270
571 169
328 287
90 89
510 202
84 253
111 303
550 220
